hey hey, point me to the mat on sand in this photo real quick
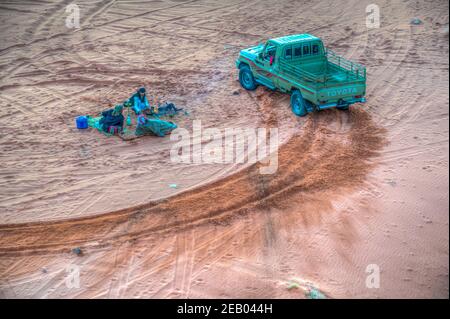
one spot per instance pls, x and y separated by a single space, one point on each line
151 126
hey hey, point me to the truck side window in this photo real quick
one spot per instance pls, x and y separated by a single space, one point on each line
298 51
306 49
288 54
315 49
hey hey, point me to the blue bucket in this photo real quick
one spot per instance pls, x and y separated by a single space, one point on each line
82 122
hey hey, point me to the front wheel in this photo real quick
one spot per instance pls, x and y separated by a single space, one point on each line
246 78
298 104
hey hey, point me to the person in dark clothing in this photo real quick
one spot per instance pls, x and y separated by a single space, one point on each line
112 118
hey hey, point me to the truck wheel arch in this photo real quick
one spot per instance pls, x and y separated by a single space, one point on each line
242 64
293 89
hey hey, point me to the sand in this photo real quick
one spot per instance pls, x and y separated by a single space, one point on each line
368 186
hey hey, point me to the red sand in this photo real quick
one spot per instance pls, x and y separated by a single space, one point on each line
365 187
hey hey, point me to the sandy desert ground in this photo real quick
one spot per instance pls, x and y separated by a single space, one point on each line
368 186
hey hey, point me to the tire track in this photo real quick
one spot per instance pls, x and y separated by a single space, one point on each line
211 203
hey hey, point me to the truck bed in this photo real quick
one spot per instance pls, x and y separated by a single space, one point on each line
332 70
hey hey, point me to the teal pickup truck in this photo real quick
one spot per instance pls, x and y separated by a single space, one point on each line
316 77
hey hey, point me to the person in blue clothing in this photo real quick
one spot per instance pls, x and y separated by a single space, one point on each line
139 101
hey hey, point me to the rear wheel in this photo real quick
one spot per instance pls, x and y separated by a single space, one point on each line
246 78
298 104
343 108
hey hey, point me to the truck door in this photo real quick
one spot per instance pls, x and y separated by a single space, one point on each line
266 65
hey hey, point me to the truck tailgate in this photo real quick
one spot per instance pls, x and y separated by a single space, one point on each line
333 92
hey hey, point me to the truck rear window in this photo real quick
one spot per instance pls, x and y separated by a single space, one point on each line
315 49
288 54
306 49
298 51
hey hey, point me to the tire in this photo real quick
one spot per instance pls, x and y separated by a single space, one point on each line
246 78
298 104
343 108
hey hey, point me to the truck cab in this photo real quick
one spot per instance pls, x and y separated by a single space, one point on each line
300 65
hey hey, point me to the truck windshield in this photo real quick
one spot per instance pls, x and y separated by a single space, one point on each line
269 51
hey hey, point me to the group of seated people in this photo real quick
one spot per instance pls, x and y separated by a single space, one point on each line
112 120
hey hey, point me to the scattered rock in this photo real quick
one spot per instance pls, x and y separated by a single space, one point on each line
77 251
314 293
44 270
416 21
392 183
236 93
293 285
